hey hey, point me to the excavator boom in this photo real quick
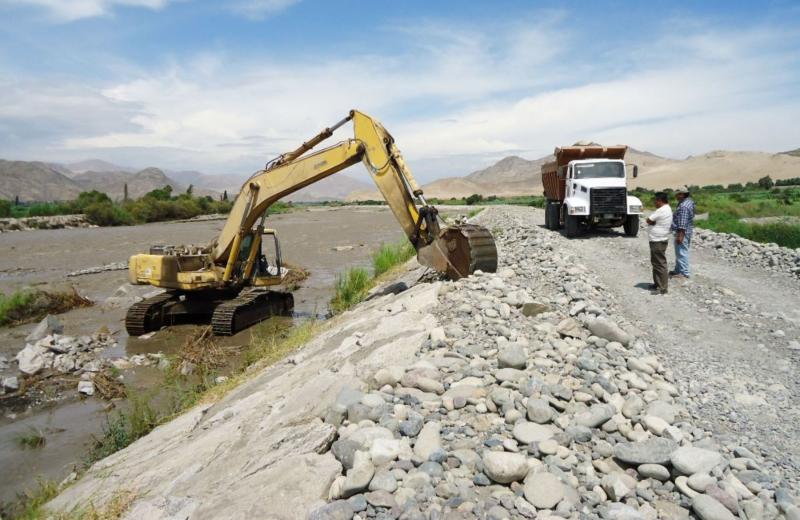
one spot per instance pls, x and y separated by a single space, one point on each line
455 252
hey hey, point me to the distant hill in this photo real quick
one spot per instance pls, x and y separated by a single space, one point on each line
517 176
335 187
112 183
95 165
35 181
717 167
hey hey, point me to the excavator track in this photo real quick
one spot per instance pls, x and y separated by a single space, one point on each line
147 315
468 248
249 308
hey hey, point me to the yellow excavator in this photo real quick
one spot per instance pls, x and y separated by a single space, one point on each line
225 282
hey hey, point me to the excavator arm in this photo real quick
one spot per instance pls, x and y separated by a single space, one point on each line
222 284
455 251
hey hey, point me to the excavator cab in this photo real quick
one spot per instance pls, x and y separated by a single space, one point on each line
269 272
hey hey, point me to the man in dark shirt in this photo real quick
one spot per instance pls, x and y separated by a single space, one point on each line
683 227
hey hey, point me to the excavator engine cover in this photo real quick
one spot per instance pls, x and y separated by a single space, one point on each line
461 250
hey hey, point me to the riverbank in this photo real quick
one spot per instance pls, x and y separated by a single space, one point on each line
540 391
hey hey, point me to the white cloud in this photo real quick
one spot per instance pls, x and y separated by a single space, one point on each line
260 9
454 98
70 10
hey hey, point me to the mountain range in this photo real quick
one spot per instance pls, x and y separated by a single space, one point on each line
517 176
39 181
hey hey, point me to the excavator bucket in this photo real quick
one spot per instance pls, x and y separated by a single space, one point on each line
460 250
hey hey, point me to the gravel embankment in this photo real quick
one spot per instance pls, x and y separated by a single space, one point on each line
538 397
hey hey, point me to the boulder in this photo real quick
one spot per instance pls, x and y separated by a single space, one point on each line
30 359
505 467
607 329
49 325
543 490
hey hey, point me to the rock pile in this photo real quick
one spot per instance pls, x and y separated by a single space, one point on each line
53 222
47 349
745 252
533 400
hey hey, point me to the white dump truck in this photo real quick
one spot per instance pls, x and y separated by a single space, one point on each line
586 188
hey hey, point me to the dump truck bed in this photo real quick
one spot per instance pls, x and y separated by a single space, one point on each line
555 187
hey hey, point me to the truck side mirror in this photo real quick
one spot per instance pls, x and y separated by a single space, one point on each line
635 171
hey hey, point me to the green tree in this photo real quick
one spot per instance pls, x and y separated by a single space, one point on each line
164 193
474 199
766 182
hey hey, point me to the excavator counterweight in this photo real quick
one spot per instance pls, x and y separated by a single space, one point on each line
224 283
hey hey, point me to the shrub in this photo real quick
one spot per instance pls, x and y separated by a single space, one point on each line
474 199
5 208
108 214
782 233
766 182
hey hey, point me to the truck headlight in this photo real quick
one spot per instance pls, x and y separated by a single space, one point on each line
576 210
636 208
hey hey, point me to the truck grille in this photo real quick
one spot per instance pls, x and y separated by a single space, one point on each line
608 200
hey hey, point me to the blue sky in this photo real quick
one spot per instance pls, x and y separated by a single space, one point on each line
224 86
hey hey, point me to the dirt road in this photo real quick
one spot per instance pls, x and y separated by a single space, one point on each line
727 334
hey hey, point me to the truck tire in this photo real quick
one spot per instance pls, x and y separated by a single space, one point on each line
631 225
547 216
553 217
571 226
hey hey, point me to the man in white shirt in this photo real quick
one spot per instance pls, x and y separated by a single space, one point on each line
660 221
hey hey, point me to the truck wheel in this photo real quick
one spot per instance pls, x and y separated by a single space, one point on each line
631 225
547 216
553 217
571 226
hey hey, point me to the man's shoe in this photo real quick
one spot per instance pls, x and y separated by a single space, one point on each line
680 276
658 292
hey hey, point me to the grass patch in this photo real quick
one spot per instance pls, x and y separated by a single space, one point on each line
271 344
351 288
390 255
125 427
29 505
34 438
781 233
474 212
29 305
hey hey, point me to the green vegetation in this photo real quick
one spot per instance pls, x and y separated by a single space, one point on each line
272 343
353 285
29 505
156 206
124 428
351 288
27 305
34 438
520 200
390 255
727 205
781 233
474 212
192 378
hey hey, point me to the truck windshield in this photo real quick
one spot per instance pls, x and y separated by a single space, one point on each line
599 170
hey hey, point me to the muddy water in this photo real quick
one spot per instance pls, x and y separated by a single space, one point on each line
309 239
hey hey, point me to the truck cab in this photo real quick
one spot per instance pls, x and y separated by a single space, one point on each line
591 193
